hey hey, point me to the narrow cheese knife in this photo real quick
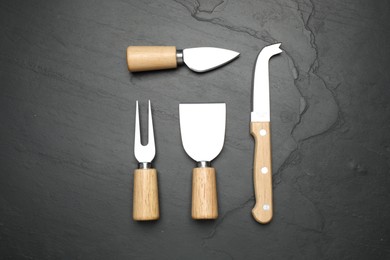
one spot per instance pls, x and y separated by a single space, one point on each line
201 59
260 130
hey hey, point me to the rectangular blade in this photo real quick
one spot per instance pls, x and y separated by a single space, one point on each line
202 128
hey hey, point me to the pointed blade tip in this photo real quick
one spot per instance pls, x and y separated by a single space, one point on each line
279 44
204 59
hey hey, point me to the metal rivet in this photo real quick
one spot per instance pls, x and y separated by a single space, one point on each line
263 132
264 170
266 207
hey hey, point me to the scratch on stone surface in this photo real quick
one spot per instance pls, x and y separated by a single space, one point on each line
378 153
291 159
194 11
313 69
221 219
219 222
321 216
213 9
294 157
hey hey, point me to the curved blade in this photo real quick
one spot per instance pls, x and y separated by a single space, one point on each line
203 59
202 128
261 104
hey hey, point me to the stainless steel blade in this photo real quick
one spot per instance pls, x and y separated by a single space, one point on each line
144 153
261 98
203 59
202 128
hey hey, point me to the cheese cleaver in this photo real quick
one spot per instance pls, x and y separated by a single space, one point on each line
201 59
260 130
202 128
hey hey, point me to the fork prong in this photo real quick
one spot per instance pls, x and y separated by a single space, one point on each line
137 136
151 129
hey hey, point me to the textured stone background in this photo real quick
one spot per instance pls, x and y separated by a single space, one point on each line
67 127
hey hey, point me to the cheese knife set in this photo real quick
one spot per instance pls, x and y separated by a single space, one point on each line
202 129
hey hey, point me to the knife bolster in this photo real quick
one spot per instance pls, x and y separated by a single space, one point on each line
203 164
204 193
179 57
145 58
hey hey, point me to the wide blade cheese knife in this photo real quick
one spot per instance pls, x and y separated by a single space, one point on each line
201 59
260 130
202 128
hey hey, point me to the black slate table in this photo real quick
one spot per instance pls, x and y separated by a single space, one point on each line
67 126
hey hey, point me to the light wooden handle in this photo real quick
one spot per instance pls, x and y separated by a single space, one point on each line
144 58
204 193
145 195
262 172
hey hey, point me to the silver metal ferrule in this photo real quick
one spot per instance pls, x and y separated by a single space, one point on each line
179 57
203 164
144 165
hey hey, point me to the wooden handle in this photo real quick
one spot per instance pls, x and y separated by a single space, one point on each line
262 172
204 193
145 195
144 58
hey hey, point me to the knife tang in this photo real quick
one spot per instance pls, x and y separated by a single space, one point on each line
262 172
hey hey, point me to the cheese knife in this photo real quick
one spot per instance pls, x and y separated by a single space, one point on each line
201 59
202 128
260 130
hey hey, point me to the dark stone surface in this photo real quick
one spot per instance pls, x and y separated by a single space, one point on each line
67 127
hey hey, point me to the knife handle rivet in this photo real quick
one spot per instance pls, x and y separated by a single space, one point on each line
263 132
264 170
266 207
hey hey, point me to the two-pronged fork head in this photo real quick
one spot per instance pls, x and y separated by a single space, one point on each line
144 153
